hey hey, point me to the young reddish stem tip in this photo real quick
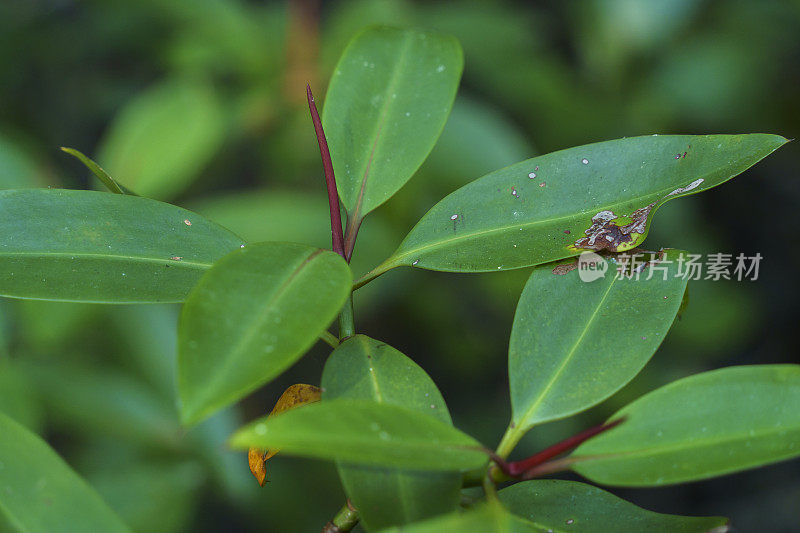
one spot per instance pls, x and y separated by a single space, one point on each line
337 237
525 468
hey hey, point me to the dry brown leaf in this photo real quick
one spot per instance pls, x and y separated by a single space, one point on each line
295 396
256 459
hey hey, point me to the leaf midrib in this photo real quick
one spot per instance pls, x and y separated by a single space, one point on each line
523 421
132 258
376 132
406 444
374 381
684 445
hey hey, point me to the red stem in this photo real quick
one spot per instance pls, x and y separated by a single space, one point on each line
532 465
337 237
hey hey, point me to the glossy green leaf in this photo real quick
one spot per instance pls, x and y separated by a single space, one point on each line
96 169
489 518
41 492
698 427
363 368
98 247
387 103
365 432
571 507
250 317
163 138
598 196
574 343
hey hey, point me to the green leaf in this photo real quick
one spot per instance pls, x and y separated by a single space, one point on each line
97 170
365 432
575 343
598 196
257 311
571 507
387 103
363 368
163 138
87 246
698 427
41 492
489 518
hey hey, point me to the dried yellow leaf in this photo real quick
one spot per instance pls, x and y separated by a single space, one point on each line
256 459
295 396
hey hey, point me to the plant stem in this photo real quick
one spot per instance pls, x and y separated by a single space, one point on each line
346 326
330 339
345 520
337 238
521 468
539 463
489 487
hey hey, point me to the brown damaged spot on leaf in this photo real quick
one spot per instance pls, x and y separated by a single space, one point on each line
560 270
606 234
295 396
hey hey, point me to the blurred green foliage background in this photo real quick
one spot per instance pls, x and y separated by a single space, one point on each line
201 103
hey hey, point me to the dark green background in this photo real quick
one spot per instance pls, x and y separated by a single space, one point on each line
98 382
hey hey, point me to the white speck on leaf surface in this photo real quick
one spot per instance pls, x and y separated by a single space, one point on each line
453 217
585 161
532 175
693 185
187 222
